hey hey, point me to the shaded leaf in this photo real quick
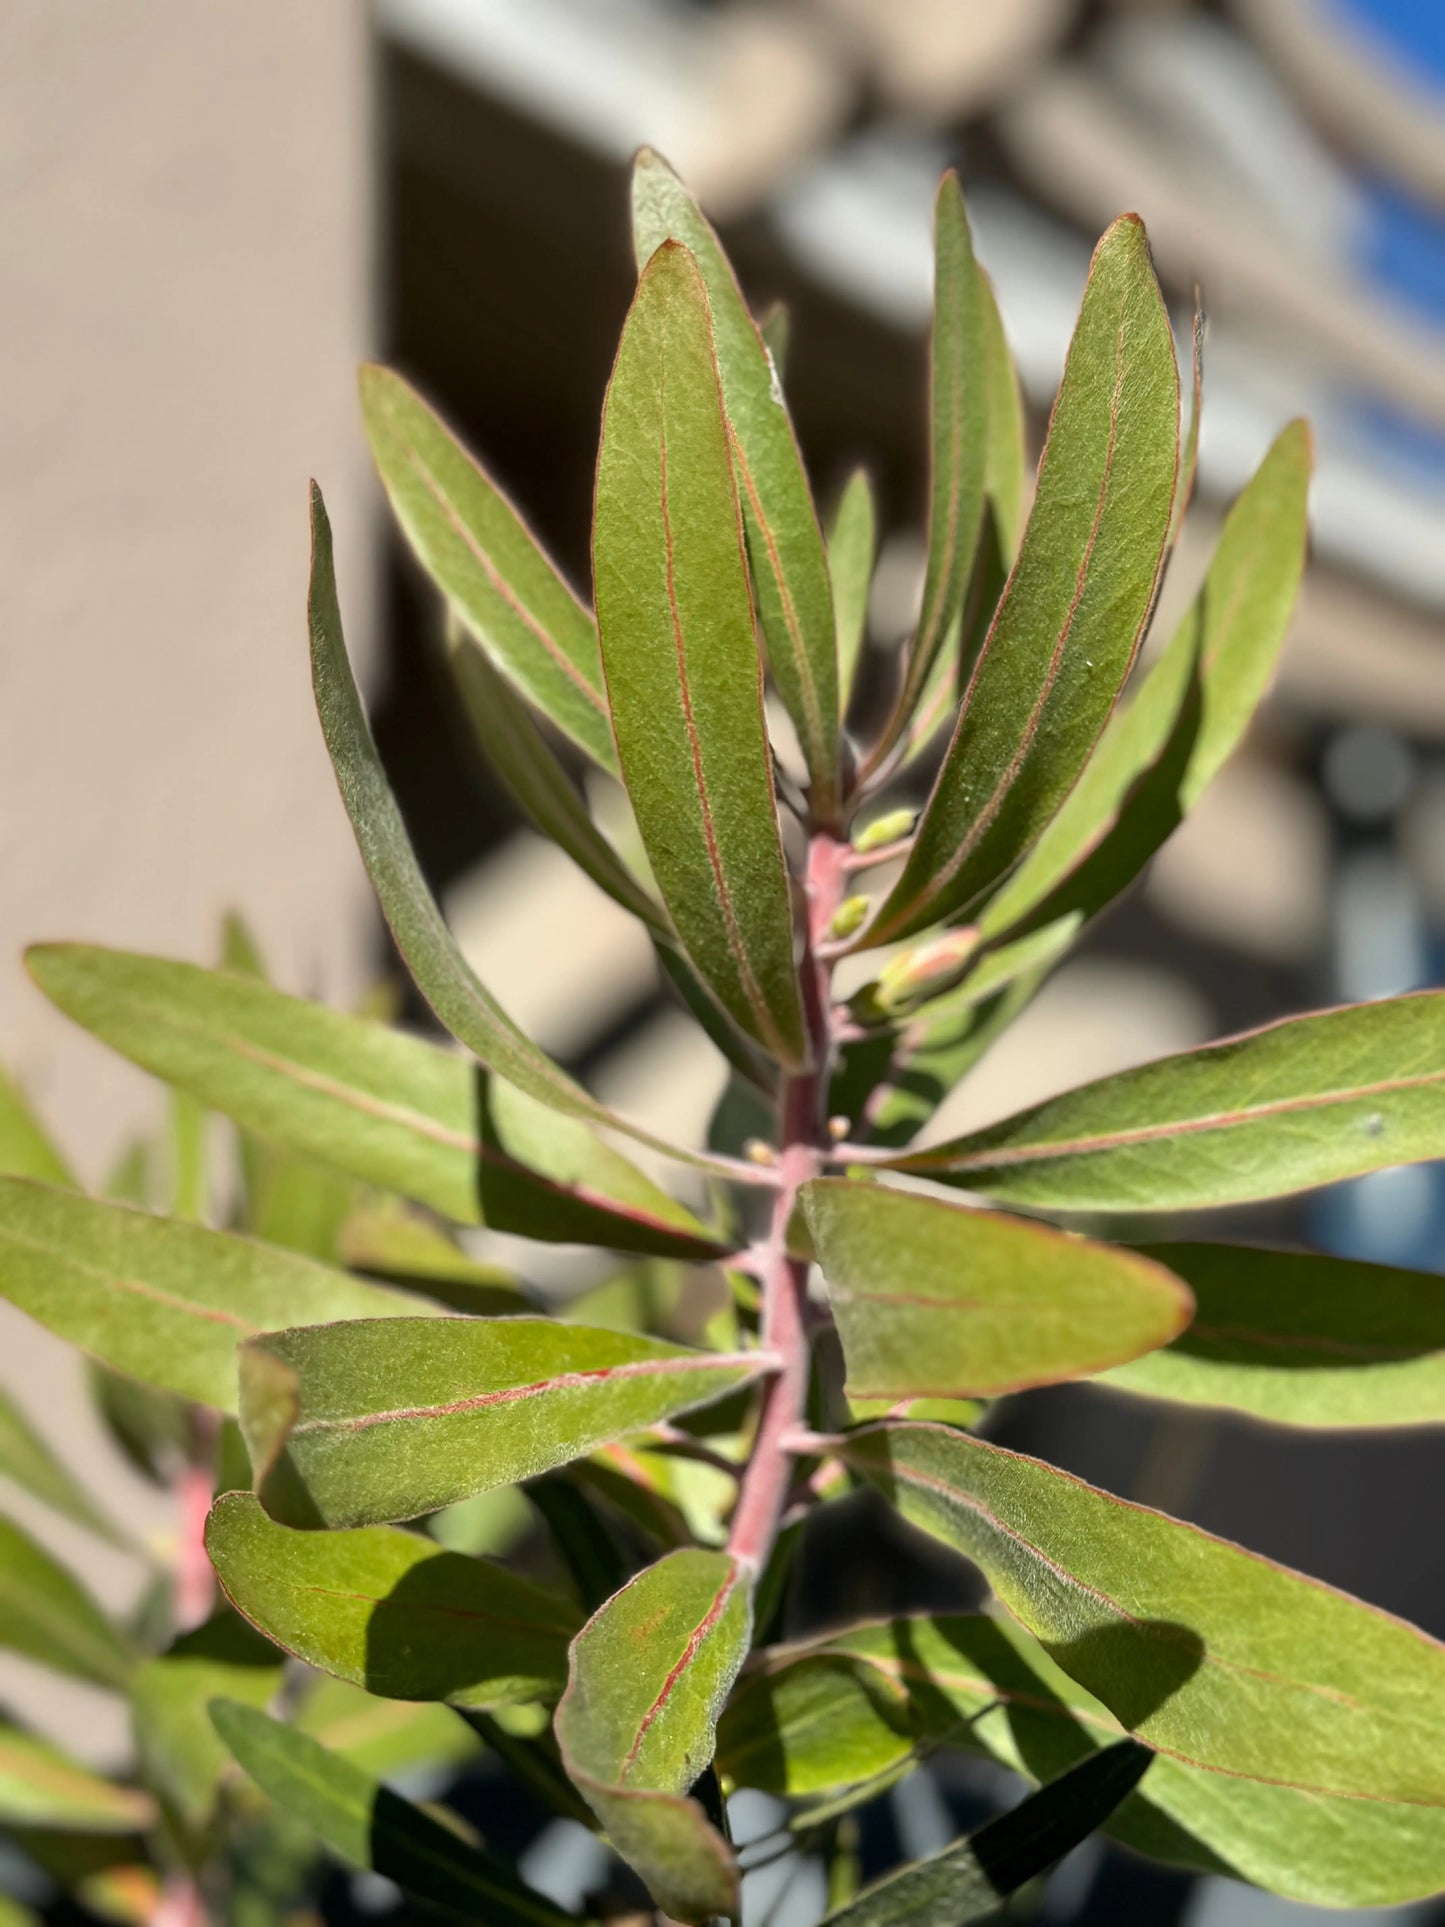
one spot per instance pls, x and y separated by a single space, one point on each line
1303 1102
785 545
970 1880
27 1458
386 1107
1301 1339
678 646
389 1239
180 1754
368 1826
390 1611
1159 753
852 546
355 1424
487 563
26 1148
933 1301
1070 620
649 1674
46 1614
1205 1651
42 1787
163 1301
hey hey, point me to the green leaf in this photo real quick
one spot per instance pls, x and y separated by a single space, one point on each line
852 546
368 1826
1006 463
1205 1651
1071 617
983 1681
26 1147
26 1458
812 1724
1158 754
42 1787
959 442
970 1880
391 1611
385 1737
357 1424
163 1301
180 1755
785 546
934 1301
389 1239
678 646
1301 1339
521 756
1307 1101
650 1671
487 563
47 1615
388 1108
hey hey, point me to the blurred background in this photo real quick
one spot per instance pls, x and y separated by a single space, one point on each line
212 213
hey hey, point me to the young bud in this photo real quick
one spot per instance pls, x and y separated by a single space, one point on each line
925 969
884 829
848 917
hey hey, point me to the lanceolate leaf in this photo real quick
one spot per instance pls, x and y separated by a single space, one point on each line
1070 620
683 673
179 1753
390 1610
1301 1339
1207 1652
959 406
353 1424
784 543
487 563
852 544
49 1616
41 1787
162 1301
521 756
932 1301
1006 457
26 1148
26 1458
383 1106
1158 754
814 1722
968 1881
386 1737
650 1671
1304 1102
368 1826
442 974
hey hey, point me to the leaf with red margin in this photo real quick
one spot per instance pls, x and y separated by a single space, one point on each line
649 1674
1306 1101
1211 1654
356 1424
684 677
1070 620
937 1301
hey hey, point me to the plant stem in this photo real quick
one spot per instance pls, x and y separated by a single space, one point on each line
802 1137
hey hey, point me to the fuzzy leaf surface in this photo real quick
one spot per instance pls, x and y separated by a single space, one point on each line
813 1723
40 1786
1303 1102
162 1301
46 1614
390 1610
359 1424
1300 1339
934 1301
1206 1652
1157 755
650 1671
683 673
785 545
386 1107
503 589
1071 617
368 1826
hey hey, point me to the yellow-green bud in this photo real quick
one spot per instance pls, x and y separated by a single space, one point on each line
915 972
883 829
848 917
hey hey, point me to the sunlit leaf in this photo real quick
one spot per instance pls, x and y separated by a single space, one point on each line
936 1301
26 1148
27 1459
179 1752
650 1671
353 1425
683 673
852 545
385 1737
46 1614
391 1611
1303 1102
812 1723
42 1787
